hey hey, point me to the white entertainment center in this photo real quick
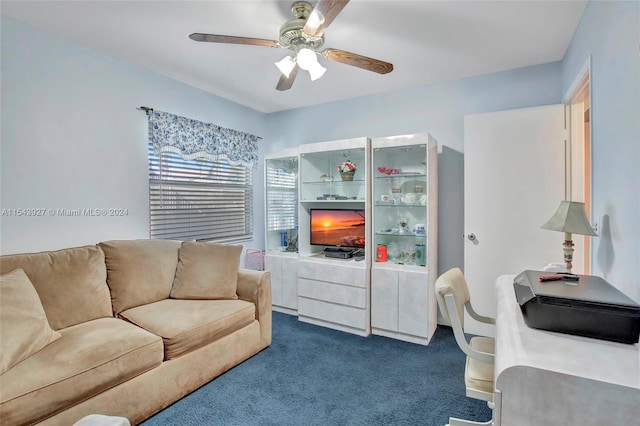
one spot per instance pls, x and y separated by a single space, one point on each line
384 288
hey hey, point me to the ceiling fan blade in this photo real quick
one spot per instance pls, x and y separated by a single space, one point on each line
218 38
322 16
359 61
285 83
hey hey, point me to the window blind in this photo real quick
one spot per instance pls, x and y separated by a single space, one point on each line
199 199
281 198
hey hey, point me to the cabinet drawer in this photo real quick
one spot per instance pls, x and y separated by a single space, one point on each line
333 272
334 293
339 314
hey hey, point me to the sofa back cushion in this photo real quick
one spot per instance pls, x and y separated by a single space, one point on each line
139 271
71 283
207 271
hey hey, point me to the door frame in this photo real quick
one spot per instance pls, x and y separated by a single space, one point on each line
579 146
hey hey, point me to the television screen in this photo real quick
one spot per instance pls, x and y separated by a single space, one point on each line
337 227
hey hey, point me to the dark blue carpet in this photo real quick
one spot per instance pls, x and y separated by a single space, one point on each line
313 375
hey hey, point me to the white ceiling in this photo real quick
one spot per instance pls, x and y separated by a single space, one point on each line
427 41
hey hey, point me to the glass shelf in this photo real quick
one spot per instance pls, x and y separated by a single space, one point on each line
387 234
335 182
398 205
408 175
349 200
400 197
281 204
320 180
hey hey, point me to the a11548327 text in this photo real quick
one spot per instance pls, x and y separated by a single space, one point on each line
58 212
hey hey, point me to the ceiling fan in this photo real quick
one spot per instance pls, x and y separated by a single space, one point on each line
304 36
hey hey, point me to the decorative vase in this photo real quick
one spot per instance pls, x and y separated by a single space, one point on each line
347 175
326 177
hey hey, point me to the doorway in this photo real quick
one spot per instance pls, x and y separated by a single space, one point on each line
578 159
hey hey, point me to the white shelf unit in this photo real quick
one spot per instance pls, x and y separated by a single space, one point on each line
333 292
281 225
394 298
404 211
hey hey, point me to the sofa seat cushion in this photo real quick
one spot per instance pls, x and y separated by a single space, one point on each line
89 358
186 325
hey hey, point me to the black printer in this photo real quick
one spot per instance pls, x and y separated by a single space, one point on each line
588 306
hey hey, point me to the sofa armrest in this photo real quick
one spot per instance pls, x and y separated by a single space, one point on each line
255 287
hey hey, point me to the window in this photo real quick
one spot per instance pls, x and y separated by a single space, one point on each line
200 179
281 197
199 199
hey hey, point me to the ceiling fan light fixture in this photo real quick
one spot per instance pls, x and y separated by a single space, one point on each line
303 36
316 71
306 58
286 65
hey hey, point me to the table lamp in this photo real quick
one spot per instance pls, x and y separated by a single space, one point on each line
570 218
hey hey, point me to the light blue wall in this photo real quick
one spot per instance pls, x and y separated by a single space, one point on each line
609 32
72 139
437 109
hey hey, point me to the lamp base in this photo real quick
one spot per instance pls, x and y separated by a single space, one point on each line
568 251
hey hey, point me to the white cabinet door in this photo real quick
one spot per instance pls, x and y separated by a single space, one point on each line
384 299
513 183
273 264
283 268
289 274
413 302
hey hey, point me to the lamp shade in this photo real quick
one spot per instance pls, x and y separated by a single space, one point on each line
286 65
316 71
570 217
306 58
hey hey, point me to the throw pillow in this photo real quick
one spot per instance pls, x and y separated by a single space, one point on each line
139 271
25 329
207 271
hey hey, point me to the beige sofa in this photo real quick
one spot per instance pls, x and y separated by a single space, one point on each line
132 327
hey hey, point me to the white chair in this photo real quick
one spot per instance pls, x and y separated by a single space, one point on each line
453 298
102 420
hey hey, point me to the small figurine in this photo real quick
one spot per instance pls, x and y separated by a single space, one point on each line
292 244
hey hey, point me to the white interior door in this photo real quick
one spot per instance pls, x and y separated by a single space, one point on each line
513 183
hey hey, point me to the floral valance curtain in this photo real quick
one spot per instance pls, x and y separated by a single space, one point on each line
196 139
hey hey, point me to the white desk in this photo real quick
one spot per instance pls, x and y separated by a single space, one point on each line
546 378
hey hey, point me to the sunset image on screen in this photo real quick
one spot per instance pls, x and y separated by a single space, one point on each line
337 227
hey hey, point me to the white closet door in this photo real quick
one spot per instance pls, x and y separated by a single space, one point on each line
513 183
